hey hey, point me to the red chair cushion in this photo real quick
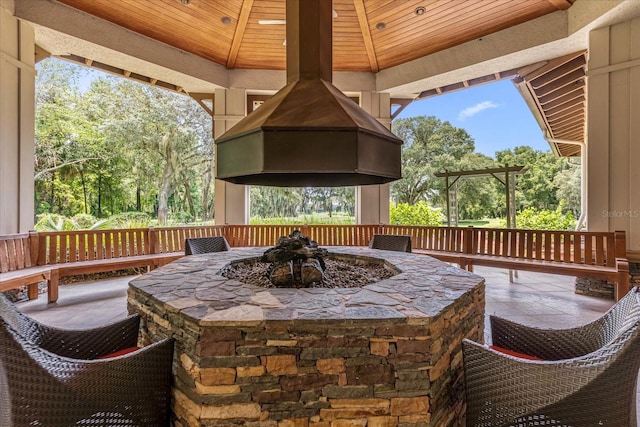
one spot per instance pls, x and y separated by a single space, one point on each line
119 353
513 353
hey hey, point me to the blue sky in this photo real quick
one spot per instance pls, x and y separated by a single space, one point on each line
494 114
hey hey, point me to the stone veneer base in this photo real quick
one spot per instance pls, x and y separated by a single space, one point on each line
387 354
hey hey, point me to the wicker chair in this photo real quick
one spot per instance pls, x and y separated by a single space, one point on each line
587 375
205 245
5 402
391 242
54 379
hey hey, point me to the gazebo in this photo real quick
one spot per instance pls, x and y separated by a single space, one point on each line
576 62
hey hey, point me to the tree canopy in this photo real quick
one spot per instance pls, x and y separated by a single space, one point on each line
118 146
434 146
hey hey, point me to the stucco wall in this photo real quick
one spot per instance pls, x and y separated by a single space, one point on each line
613 126
17 92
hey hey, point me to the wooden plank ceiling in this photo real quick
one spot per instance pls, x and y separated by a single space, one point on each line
368 35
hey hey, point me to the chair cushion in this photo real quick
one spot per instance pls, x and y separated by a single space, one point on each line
119 352
513 353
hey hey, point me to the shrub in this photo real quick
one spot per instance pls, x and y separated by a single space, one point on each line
544 219
419 214
53 222
129 220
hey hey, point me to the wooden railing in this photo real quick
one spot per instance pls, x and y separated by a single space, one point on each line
597 254
575 247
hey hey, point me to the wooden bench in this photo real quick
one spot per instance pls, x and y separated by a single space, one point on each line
598 255
26 259
17 268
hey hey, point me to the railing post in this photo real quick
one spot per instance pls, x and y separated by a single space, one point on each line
34 247
225 233
154 241
467 240
620 244
42 249
304 229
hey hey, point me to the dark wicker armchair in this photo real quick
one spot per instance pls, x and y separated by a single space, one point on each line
391 242
587 375
55 379
205 245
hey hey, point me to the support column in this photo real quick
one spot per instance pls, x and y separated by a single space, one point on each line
17 121
613 131
372 201
231 204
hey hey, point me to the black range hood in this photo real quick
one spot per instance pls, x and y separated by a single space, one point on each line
309 134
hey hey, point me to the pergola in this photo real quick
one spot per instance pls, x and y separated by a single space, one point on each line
505 175
576 63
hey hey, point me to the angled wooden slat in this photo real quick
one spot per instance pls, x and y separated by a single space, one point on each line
241 26
366 34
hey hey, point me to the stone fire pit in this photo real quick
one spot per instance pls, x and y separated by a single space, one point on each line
385 354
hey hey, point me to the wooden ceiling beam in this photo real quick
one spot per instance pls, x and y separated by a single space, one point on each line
243 19
361 13
201 97
561 4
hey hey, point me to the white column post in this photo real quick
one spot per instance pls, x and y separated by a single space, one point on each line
17 122
613 131
372 201
231 200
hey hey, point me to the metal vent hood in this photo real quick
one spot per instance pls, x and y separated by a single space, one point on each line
309 134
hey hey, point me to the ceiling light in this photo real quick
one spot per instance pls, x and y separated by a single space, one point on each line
420 10
185 1
226 20
272 21
381 25
334 15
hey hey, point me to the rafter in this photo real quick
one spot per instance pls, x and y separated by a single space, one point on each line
243 18
361 13
561 4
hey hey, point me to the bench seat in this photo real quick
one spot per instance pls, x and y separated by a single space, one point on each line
30 277
618 274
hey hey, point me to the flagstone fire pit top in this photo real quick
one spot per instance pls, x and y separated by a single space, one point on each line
195 287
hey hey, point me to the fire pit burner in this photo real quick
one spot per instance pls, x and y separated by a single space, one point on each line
296 261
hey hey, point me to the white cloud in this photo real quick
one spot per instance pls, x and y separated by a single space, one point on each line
472 111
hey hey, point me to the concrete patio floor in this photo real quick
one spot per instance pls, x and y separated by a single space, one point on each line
533 298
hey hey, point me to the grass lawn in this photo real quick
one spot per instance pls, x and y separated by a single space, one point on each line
486 223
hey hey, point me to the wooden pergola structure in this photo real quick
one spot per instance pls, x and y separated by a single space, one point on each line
506 175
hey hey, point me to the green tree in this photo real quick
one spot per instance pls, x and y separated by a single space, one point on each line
430 146
478 197
568 185
417 214
535 187
119 146
64 141
167 138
